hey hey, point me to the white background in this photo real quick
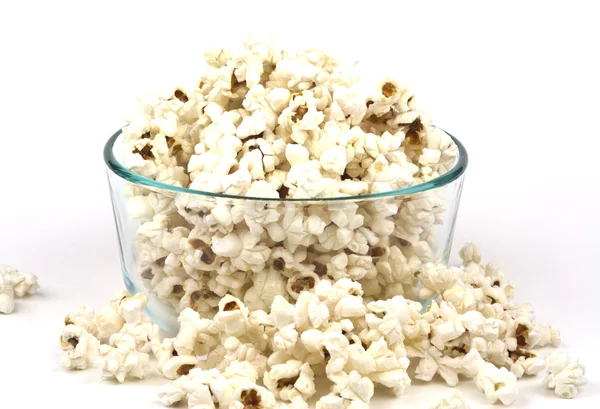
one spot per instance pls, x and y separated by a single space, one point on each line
517 82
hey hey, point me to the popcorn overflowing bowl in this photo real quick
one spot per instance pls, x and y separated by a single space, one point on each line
190 248
287 224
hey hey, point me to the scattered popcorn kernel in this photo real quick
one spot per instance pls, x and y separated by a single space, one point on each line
81 347
454 401
15 284
564 374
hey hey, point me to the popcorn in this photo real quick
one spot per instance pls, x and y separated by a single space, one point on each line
227 246
526 363
195 383
271 123
290 380
446 331
232 317
108 322
470 254
351 103
172 394
285 339
278 99
310 312
28 284
296 154
251 396
238 351
349 306
14 283
225 388
7 302
129 309
348 289
81 347
126 353
390 367
331 330
479 326
202 397
85 318
138 336
300 282
10 277
117 298
170 363
498 384
6 270
434 361
267 285
122 361
547 335
459 296
335 351
331 401
435 279
251 125
331 294
353 386
334 160
454 401
564 374
297 403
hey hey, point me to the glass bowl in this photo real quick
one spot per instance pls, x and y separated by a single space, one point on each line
188 248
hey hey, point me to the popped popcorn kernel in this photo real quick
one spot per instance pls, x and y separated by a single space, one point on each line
564 374
15 284
454 401
81 347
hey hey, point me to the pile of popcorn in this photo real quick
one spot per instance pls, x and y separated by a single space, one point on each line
273 124
15 283
242 359
273 294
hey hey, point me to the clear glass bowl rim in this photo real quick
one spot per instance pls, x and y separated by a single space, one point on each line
453 174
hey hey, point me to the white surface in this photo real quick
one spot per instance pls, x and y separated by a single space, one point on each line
517 83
